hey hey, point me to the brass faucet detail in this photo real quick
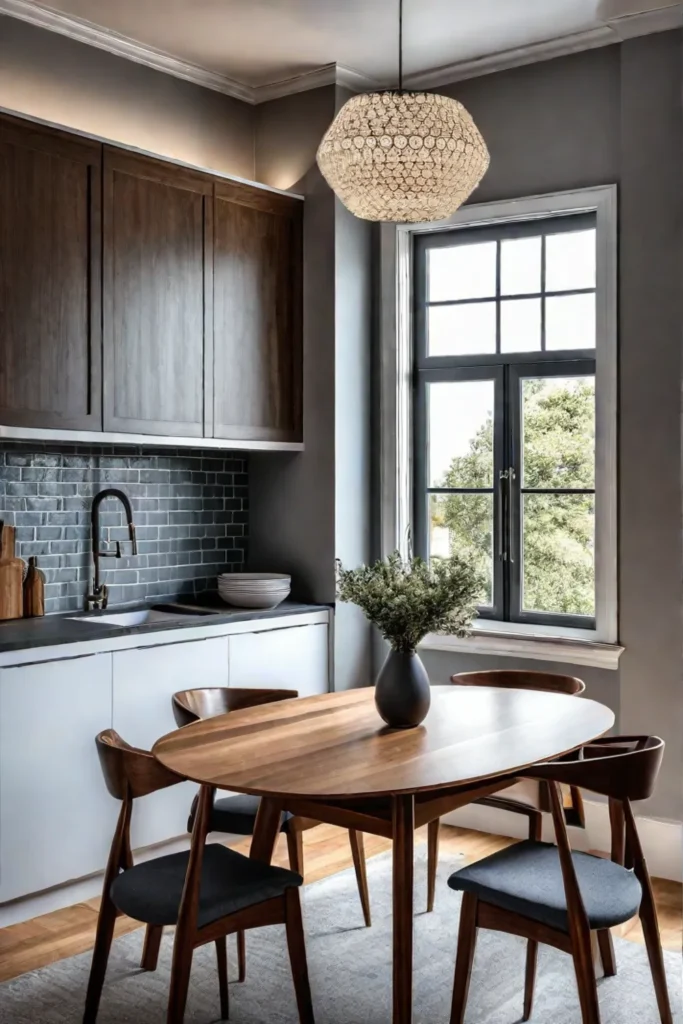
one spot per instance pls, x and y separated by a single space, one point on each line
99 595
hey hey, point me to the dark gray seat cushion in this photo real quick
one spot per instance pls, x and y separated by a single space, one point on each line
151 892
527 879
237 814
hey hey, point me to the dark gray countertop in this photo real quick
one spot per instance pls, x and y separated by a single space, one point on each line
52 630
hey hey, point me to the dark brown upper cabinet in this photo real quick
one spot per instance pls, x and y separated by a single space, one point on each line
157 257
50 315
257 359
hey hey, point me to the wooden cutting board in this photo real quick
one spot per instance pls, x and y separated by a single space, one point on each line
11 576
34 590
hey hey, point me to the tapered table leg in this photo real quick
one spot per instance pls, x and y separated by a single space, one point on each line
403 820
266 830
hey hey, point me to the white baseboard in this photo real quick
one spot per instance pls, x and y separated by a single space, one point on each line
662 840
82 889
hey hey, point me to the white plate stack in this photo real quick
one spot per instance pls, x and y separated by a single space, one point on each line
254 589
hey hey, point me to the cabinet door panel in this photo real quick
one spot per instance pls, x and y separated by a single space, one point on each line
50 279
144 682
57 819
157 274
282 659
257 321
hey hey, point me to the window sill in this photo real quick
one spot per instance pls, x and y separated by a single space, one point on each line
570 646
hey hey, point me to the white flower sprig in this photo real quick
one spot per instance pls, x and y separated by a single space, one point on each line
406 600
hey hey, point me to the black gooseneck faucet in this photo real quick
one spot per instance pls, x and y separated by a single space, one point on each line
98 596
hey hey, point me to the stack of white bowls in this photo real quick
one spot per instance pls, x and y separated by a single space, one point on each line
254 589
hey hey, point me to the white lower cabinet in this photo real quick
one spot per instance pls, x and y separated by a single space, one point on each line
145 679
282 659
57 820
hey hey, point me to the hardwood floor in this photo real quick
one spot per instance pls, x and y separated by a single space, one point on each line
36 943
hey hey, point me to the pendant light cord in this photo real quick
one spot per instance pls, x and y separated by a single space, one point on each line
400 45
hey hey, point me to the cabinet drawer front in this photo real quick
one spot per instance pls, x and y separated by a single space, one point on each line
57 819
285 659
50 284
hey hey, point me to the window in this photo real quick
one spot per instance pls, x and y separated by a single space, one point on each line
505 412
499 412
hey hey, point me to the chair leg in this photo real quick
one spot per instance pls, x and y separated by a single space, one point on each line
530 978
653 942
100 958
150 950
358 854
609 962
241 956
432 861
467 940
180 979
295 848
297 955
585 980
222 962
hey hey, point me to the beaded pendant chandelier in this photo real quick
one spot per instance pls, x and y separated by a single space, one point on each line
403 156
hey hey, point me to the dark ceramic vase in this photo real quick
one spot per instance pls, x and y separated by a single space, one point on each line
402 692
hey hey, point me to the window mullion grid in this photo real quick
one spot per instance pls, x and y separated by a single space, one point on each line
543 293
498 272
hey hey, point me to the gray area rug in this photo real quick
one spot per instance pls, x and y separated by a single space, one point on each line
350 968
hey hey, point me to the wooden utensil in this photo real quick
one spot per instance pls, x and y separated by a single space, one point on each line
11 576
34 590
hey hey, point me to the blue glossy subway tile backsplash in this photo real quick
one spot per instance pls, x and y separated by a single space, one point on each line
190 509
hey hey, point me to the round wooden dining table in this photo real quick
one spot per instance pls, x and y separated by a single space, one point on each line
332 759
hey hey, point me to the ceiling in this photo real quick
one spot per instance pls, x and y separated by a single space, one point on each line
258 42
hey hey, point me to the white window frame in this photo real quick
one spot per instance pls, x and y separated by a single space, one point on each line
552 643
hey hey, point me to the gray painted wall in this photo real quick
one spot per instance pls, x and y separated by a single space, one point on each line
605 116
53 78
288 132
651 319
353 481
310 508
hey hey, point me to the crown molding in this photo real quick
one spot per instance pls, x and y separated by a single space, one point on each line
663 19
83 31
514 58
329 74
615 30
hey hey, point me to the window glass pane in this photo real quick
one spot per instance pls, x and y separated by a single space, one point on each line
558 432
461 330
570 261
462 524
520 266
520 325
558 573
461 272
570 321
460 428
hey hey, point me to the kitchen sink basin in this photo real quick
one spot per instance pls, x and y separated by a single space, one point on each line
139 617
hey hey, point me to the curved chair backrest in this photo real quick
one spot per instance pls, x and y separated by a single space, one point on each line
128 771
624 768
519 679
207 702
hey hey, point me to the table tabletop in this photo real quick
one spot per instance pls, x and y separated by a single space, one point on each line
336 746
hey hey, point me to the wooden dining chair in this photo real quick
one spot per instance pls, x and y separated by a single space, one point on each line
525 797
207 892
552 895
237 814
